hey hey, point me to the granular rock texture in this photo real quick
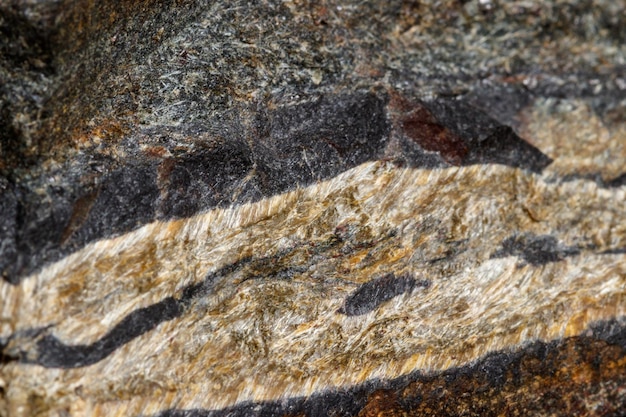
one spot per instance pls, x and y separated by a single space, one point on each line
312 208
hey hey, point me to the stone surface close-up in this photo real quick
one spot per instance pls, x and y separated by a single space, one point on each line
293 208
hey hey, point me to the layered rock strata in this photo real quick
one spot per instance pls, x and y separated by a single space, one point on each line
288 208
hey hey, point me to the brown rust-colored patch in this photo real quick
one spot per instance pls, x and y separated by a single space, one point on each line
558 379
423 128
381 403
419 124
80 211
164 171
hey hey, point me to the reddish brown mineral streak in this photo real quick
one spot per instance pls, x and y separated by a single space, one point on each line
564 382
81 210
419 124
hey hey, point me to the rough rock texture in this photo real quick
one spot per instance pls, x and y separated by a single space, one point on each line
312 208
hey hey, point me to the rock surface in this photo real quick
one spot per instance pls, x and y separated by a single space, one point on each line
312 208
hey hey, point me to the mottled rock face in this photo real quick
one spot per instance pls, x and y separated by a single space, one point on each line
325 208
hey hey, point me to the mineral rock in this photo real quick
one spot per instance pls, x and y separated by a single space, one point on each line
312 208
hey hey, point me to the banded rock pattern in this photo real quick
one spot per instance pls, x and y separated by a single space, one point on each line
313 209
